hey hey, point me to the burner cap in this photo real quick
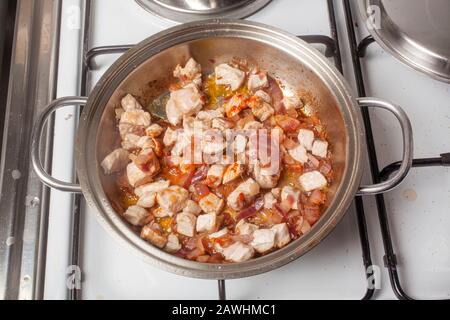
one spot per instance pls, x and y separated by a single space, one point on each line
192 10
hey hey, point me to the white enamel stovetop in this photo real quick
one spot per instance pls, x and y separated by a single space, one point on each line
419 209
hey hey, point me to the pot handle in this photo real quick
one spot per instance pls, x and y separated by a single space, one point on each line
408 146
38 129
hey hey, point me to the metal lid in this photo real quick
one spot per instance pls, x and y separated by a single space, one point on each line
192 10
415 31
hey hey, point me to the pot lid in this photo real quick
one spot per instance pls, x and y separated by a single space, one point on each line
191 10
415 31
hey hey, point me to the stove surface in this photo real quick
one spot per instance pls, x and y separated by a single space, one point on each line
418 209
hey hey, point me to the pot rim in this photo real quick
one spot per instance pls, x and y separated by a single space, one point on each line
89 174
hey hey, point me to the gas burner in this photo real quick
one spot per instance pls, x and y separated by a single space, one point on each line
192 10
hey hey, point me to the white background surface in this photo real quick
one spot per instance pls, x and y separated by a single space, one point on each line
419 209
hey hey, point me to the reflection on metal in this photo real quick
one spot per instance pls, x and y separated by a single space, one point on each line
416 32
186 11
23 203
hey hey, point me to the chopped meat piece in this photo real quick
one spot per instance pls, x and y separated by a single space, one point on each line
312 180
292 195
186 224
276 192
269 200
192 72
156 186
264 96
183 144
267 178
238 252
192 207
130 141
206 222
257 81
208 116
282 235
240 143
211 204
244 193
136 176
213 142
236 104
147 200
320 148
245 228
253 125
153 236
162 213
115 161
233 172
172 199
306 138
262 110
215 175
292 102
263 240
229 76
222 124
136 215
129 103
173 244
170 137
299 154
155 130
136 118
219 234
183 102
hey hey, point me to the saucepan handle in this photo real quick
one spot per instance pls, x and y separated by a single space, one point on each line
38 129
408 146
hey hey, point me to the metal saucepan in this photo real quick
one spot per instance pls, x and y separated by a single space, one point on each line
145 71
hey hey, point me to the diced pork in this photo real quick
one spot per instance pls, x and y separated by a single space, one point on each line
130 141
192 72
263 240
262 110
264 96
269 200
212 204
282 235
183 102
143 168
253 125
306 138
290 194
222 124
229 76
236 104
215 175
170 137
243 194
129 103
313 180
147 200
320 148
173 244
268 177
218 234
257 81
136 118
152 187
136 215
172 199
245 228
208 116
192 207
276 192
186 223
137 176
206 222
238 252
153 236
155 130
115 161
299 154
233 172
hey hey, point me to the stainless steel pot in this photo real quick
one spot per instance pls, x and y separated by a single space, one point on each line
145 70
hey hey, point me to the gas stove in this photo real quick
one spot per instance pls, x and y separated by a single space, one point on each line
386 247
